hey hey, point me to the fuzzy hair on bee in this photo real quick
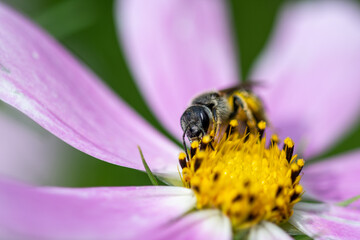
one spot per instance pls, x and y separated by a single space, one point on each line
217 103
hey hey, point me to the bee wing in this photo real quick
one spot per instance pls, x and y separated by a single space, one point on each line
248 86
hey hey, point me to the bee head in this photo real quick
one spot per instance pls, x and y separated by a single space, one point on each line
195 121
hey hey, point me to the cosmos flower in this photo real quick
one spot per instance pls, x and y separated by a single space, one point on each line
177 49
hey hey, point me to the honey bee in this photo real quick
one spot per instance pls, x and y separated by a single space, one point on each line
211 110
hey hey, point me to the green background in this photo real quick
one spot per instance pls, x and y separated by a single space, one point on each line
87 29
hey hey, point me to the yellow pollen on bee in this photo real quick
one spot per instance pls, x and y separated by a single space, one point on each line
246 180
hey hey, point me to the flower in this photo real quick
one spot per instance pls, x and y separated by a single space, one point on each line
176 49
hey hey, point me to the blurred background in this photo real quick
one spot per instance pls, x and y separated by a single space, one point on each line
86 28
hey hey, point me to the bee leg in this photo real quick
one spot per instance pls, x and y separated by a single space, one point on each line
217 130
250 121
184 145
216 122
236 104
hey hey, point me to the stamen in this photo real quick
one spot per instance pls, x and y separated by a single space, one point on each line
198 159
238 197
297 191
186 176
288 148
244 179
274 140
300 163
194 148
232 127
296 169
234 123
280 188
182 159
205 142
261 126
247 134
216 177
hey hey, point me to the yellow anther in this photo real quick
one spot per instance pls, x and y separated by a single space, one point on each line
298 189
234 123
182 156
206 139
300 163
289 142
195 144
294 167
275 138
182 160
262 125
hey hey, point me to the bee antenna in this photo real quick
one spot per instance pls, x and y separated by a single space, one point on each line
184 144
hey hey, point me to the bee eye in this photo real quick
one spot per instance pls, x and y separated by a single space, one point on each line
195 121
205 121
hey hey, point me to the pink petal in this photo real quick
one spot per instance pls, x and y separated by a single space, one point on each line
204 224
269 231
311 73
335 179
28 152
177 49
92 213
38 77
327 222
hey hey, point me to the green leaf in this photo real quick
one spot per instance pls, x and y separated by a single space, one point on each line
290 229
169 180
148 171
302 237
348 201
294 232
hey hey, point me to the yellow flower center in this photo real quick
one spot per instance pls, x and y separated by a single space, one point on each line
244 178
